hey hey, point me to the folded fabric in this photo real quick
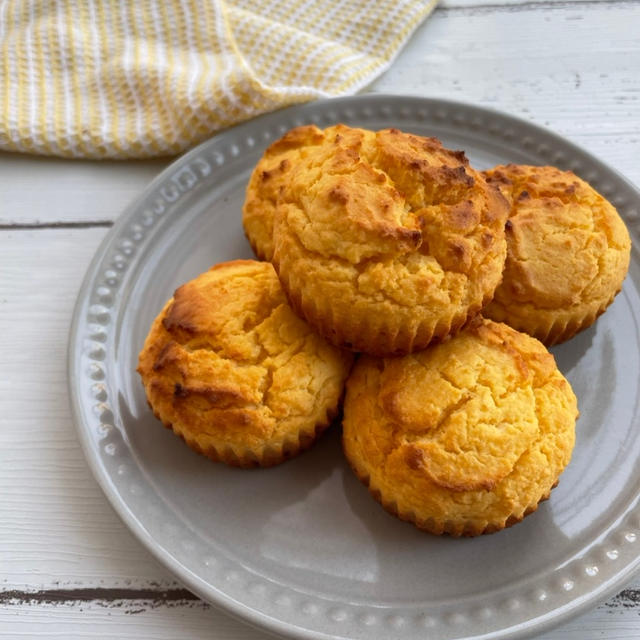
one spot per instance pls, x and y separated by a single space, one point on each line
124 79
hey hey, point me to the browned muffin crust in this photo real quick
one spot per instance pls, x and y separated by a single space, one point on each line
466 437
232 370
384 241
267 180
567 252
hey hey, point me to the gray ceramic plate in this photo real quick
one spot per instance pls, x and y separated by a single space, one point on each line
301 549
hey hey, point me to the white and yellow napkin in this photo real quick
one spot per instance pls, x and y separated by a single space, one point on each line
140 78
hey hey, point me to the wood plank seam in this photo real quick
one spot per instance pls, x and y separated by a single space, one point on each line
534 5
99 594
627 598
28 226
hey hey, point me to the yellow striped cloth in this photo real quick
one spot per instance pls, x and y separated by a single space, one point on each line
140 78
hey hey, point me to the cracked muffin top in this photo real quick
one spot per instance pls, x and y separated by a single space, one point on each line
382 240
267 181
567 252
465 437
231 368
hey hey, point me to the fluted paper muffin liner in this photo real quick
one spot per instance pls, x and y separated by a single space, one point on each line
230 368
453 528
463 438
268 454
551 327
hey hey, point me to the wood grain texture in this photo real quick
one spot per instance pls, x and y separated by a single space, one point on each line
125 620
76 190
520 5
145 619
55 523
575 70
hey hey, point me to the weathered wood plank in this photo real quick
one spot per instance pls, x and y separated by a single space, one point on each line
577 71
55 523
160 619
40 191
521 5
124 620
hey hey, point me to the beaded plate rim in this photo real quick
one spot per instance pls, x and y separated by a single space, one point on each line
95 411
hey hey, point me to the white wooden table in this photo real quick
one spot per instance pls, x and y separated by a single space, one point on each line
68 567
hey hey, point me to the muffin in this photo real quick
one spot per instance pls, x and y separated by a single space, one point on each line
385 241
233 371
466 437
567 253
268 178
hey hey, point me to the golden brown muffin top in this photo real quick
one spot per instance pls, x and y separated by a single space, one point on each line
567 247
267 180
460 416
385 223
227 355
363 194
